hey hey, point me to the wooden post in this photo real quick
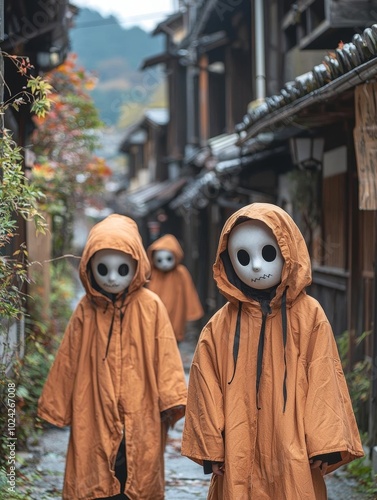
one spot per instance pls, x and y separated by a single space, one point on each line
1 20
203 99
365 138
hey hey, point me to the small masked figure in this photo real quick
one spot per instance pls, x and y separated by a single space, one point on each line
172 282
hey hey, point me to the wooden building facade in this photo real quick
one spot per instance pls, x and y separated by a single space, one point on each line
249 83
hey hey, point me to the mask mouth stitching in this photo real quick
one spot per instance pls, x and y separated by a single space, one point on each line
265 276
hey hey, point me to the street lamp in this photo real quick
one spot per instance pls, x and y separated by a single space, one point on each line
307 152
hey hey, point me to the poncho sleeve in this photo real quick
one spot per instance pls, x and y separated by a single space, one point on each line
330 424
204 421
55 403
169 368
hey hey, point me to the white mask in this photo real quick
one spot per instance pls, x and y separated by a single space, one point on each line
113 270
164 260
255 254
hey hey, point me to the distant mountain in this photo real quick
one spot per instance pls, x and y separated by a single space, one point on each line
115 54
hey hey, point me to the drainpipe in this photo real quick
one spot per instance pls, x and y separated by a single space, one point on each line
260 68
190 81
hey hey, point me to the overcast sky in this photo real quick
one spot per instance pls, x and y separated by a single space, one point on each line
143 13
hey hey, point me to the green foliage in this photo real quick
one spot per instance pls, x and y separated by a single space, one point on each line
361 470
18 199
16 194
42 342
358 376
40 89
31 371
358 379
4 381
4 488
36 91
25 486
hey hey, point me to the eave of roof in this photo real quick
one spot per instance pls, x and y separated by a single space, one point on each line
154 60
142 201
153 117
164 26
352 65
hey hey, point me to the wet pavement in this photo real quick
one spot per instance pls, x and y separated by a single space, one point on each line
44 464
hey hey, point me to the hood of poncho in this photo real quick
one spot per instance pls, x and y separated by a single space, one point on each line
116 232
166 242
296 273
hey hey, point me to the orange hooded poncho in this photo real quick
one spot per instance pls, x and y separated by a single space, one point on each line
175 287
118 367
266 430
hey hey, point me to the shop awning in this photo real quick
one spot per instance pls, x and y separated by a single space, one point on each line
144 200
198 192
154 60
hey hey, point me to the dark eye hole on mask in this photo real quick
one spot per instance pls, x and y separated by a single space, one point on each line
269 253
243 257
123 270
169 259
102 269
159 261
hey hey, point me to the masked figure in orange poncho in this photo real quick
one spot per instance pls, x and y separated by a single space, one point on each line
268 410
117 378
172 282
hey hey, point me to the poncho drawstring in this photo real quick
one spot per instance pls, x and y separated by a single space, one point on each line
284 325
265 306
109 334
121 315
236 343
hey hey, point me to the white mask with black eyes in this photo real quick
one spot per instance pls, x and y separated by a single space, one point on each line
255 254
113 270
164 260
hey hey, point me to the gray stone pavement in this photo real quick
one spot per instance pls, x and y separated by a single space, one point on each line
184 479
